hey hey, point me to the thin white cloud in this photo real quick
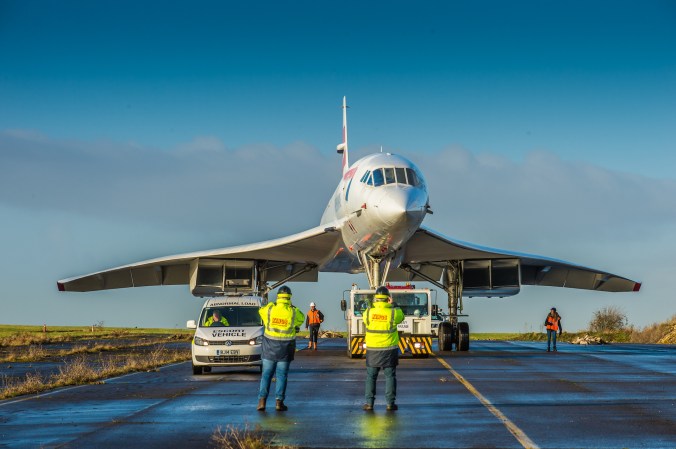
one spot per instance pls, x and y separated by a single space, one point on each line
200 183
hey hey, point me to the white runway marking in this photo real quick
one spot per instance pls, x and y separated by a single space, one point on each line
519 434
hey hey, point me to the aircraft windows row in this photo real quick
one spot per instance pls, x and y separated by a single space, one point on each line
390 175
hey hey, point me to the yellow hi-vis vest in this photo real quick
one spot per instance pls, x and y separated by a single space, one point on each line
211 321
381 326
281 319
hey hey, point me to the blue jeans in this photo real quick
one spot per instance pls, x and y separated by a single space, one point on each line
551 336
280 370
390 384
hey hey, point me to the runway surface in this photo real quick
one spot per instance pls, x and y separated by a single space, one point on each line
499 394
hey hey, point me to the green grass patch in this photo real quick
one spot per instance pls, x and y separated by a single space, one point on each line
493 336
609 337
18 335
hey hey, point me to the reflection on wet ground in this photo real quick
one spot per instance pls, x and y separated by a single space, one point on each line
605 396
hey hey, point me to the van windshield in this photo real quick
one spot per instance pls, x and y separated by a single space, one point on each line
230 316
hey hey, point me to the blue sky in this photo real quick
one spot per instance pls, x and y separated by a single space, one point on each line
132 131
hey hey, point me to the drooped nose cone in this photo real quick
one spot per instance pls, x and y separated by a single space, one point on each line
403 207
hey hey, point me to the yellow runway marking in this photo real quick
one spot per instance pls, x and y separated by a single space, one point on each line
513 428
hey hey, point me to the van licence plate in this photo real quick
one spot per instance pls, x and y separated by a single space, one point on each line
227 352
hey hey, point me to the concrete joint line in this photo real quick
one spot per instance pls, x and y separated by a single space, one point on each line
519 434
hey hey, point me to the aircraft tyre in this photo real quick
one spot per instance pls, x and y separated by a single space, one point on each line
196 370
206 369
445 336
463 337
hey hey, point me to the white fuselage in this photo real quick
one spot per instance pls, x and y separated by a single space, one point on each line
383 199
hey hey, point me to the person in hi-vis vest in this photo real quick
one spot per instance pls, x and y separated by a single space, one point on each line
281 320
382 347
553 325
314 319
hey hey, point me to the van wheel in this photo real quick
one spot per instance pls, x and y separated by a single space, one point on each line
196 370
206 369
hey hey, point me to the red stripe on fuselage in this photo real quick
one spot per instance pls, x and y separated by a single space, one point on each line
350 173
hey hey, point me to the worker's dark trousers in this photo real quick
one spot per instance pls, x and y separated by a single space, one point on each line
390 384
314 332
551 335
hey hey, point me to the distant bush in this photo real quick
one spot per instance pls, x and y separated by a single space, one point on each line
608 319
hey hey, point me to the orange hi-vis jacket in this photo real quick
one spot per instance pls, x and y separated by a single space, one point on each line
553 322
313 317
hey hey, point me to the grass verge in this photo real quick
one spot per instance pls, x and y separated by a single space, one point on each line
79 371
15 335
36 353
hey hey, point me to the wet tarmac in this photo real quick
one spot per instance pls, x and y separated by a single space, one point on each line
499 394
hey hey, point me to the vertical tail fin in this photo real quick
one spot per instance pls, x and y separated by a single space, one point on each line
342 147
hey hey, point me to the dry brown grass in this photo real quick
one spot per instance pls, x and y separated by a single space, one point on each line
30 338
664 333
234 438
36 353
81 370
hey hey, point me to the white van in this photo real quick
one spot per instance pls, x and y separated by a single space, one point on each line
233 339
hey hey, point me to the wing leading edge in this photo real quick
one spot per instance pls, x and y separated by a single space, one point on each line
307 251
429 250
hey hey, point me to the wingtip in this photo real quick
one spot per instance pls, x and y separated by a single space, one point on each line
61 287
637 286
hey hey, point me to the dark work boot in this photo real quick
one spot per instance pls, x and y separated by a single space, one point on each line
261 405
280 406
392 406
368 407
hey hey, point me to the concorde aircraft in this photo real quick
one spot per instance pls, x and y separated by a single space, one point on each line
372 224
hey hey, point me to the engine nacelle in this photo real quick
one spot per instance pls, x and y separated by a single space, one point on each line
212 277
491 277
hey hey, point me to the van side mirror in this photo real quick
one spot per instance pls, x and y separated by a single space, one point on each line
343 305
191 324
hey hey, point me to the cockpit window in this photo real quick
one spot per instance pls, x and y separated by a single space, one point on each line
412 177
389 176
401 175
378 179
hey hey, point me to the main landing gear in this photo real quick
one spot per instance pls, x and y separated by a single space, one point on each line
450 332
454 334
